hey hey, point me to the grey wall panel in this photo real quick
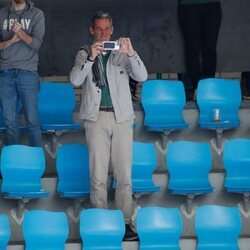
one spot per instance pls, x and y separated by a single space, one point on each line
234 37
152 26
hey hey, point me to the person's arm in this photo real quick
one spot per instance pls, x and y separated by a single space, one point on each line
7 43
81 68
83 64
33 40
135 68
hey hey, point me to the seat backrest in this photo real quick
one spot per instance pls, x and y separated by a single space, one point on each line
189 164
102 229
4 231
163 101
56 103
221 94
159 228
22 167
236 161
217 227
73 168
45 230
144 160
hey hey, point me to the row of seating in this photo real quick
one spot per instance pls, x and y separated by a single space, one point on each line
23 166
216 227
218 101
189 164
163 102
189 175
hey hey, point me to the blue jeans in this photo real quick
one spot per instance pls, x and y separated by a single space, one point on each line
23 84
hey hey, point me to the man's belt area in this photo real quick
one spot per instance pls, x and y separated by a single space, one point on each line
106 109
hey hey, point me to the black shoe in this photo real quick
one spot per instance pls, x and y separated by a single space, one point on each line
130 234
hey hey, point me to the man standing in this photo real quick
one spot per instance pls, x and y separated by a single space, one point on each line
22 28
108 113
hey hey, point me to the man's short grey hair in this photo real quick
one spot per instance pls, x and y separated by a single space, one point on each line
101 15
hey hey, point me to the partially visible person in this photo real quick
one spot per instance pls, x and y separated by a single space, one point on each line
200 23
22 28
245 84
188 86
133 88
107 112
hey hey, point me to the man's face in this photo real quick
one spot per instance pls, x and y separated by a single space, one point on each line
102 30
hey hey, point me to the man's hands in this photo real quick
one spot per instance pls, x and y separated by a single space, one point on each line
16 27
125 47
22 35
96 49
18 35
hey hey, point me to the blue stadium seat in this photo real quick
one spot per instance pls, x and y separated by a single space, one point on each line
56 106
143 165
4 231
73 175
159 228
189 164
22 167
224 96
102 229
163 102
236 160
45 230
217 227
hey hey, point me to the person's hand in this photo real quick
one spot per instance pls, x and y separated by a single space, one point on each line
17 27
95 50
126 46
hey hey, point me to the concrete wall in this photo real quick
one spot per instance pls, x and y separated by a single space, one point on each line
152 26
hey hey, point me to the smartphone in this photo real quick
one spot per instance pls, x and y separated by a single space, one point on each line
111 45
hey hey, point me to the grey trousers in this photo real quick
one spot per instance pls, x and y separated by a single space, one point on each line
109 141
